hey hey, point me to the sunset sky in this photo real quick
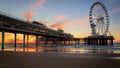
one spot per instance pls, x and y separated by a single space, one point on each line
69 15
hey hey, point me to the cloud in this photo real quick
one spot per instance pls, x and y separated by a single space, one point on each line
60 17
28 15
59 22
58 25
38 4
115 10
66 24
57 18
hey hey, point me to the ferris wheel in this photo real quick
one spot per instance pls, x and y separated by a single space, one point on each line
99 19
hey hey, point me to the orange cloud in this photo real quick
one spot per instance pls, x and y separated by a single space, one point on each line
28 15
70 23
58 20
59 17
58 25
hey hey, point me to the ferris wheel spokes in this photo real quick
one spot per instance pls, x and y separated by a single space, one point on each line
99 19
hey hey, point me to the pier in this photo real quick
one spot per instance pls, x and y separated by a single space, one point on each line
44 35
101 40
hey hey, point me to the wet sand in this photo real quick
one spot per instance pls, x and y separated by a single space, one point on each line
57 60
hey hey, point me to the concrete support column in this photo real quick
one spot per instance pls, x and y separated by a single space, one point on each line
111 42
68 42
27 40
100 42
3 39
15 39
36 40
24 40
44 41
52 42
88 41
57 42
40 41
36 43
106 42
85 41
78 42
97 42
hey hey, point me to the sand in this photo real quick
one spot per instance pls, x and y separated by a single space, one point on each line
57 60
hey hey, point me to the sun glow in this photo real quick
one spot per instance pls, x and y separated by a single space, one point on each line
9 38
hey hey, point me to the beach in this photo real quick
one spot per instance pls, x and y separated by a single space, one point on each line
12 59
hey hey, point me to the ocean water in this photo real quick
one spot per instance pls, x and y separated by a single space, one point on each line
66 48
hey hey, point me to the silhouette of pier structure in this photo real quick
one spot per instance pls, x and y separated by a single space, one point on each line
101 40
44 35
